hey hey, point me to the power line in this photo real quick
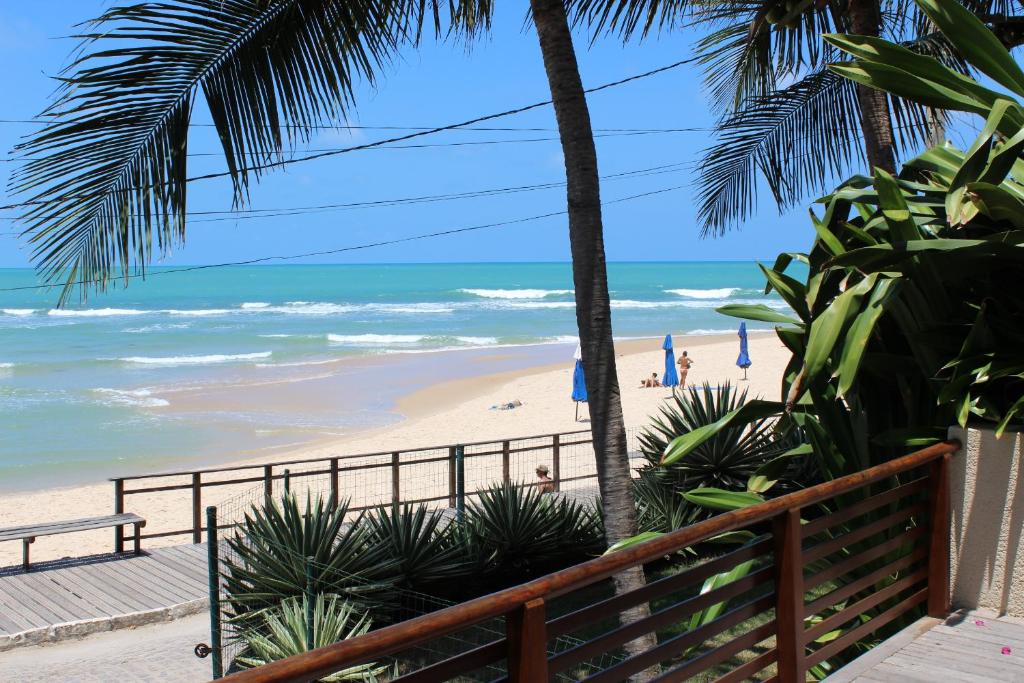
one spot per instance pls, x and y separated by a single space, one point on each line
387 141
339 250
246 214
469 143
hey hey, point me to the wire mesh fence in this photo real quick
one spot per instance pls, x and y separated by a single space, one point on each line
440 479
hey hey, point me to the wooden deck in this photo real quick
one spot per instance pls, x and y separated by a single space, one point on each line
968 647
100 593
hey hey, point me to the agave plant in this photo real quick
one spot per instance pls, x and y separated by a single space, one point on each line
279 541
659 506
520 532
425 549
730 457
284 632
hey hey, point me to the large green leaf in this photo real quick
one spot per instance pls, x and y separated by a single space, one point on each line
683 445
719 499
978 44
827 327
863 326
756 312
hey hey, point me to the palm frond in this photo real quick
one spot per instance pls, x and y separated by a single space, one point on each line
798 138
626 18
108 170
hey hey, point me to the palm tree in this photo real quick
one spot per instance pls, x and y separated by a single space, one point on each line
107 176
590 278
784 117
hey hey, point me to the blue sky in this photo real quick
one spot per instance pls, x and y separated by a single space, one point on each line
437 84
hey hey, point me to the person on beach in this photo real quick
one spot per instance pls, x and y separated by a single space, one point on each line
684 367
544 482
650 382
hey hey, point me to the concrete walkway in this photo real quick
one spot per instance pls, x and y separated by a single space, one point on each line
158 652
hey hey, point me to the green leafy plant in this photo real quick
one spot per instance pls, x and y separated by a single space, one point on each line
659 506
520 532
278 541
423 546
730 456
283 632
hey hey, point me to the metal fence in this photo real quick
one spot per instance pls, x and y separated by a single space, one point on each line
428 475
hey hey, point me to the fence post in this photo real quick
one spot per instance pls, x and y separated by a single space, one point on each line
938 538
118 509
789 596
268 481
213 564
335 494
310 601
505 461
287 481
460 481
197 507
451 476
396 482
556 460
527 639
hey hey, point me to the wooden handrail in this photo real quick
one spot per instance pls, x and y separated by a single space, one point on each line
512 601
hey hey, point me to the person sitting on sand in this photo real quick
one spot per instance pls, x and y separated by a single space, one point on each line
684 367
650 382
544 482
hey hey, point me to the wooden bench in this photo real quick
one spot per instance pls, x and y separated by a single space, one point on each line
27 534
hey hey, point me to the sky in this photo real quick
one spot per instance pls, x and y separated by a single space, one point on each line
436 84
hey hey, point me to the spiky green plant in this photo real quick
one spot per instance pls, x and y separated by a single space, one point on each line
283 632
730 457
424 547
659 506
278 539
521 532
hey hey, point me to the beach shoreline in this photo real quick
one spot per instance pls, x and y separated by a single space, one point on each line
444 412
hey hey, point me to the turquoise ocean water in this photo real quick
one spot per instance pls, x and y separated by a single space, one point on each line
149 377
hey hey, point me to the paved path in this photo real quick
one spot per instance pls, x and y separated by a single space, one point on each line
159 652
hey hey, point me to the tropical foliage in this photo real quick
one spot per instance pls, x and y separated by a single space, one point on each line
279 541
730 457
520 532
907 319
422 547
284 632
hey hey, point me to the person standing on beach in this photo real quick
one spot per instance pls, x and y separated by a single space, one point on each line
684 367
544 482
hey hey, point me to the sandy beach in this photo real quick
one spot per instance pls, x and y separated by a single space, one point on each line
450 412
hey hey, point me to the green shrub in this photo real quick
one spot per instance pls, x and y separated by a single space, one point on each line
268 555
282 631
423 546
519 532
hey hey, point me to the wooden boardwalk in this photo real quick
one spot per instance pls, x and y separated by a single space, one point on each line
968 647
74 597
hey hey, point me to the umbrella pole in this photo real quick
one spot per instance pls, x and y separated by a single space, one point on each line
577 410
744 374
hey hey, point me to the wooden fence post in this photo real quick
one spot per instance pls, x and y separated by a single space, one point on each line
505 461
118 509
526 632
197 508
938 538
213 577
268 481
451 477
335 493
396 482
556 461
789 596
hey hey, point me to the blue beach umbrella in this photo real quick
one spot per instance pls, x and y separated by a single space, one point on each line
579 383
671 378
744 359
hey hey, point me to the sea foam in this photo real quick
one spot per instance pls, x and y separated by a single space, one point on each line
719 293
516 293
375 338
93 312
196 360
142 398
20 312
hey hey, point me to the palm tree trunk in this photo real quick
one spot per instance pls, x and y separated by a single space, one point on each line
590 277
875 122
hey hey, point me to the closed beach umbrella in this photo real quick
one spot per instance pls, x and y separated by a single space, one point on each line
579 383
671 378
744 359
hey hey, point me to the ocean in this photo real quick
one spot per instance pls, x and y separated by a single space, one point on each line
147 378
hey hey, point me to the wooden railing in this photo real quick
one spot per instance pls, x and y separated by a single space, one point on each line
810 575
551 448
